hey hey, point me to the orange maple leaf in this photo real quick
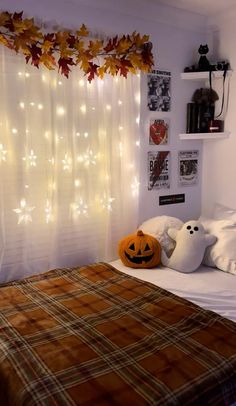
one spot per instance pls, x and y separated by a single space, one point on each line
83 31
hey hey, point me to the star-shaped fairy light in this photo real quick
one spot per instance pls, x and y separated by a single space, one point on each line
67 161
106 202
24 212
3 153
89 158
30 158
48 211
80 207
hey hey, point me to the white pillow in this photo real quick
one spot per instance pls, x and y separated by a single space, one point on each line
222 212
158 226
223 253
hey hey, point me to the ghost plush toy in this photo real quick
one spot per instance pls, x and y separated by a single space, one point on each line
191 242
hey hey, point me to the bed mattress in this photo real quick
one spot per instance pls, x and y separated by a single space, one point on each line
207 287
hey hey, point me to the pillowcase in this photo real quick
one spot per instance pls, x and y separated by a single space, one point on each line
222 212
158 227
223 253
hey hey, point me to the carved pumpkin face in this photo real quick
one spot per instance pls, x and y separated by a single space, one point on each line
139 250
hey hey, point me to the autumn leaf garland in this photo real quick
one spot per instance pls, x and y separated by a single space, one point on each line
64 49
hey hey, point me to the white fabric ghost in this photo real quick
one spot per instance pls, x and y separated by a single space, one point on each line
191 242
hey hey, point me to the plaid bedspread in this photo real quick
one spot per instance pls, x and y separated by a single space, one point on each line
95 336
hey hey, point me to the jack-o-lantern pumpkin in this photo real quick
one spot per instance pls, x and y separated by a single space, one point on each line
139 250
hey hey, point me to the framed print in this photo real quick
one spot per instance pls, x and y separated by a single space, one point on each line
159 131
188 167
158 170
159 97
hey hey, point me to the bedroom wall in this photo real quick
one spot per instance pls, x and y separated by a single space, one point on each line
176 36
219 163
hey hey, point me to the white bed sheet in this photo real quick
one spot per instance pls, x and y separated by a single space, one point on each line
207 287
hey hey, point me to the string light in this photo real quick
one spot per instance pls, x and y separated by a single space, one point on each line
119 102
137 143
121 128
77 183
48 211
135 187
83 108
24 212
40 106
3 153
106 202
22 105
60 111
89 158
67 161
14 131
31 158
80 208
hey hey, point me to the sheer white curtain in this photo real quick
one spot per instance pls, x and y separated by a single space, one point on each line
69 174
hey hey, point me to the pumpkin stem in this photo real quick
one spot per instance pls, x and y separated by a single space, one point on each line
140 233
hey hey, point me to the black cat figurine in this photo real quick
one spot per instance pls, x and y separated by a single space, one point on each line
203 63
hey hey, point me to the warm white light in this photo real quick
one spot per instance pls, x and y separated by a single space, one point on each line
20 73
27 131
108 107
67 161
93 108
137 119
60 111
40 106
3 153
80 208
83 108
89 158
24 212
31 158
137 143
85 135
48 211
52 161
27 75
119 102
22 105
81 82
32 103
137 97
46 134
60 83
43 78
26 186
14 131
106 202
77 183
78 134
121 128
135 187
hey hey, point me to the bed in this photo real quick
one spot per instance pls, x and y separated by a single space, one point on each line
104 334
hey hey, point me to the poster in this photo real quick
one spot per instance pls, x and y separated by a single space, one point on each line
159 98
188 167
159 131
158 170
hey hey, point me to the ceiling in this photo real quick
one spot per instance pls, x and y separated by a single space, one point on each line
205 7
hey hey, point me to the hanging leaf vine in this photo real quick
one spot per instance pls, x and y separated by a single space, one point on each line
65 49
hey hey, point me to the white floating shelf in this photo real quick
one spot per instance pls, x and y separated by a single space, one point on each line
204 75
203 136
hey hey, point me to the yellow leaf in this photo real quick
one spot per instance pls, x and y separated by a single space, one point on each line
5 41
23 25
4 18
83 59
48 61
123 45
83 31
95 47
112 64
79 46
136 59
101 71
47 45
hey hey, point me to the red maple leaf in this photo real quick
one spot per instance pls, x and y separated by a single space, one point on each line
112 43
92 71
71 41
64 64
35 54
124 67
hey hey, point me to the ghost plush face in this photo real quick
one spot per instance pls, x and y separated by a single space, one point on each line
193 229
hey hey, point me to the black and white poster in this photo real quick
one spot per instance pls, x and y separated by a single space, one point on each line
158 170
159 98
188 167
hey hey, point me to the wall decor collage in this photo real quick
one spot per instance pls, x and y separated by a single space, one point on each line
159 160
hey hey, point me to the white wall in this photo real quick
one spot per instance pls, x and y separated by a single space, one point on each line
176 36
219 157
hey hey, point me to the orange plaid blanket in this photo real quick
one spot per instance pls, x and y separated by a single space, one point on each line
95 336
